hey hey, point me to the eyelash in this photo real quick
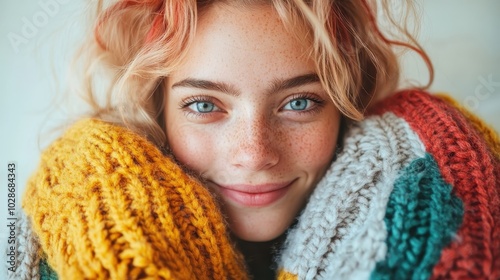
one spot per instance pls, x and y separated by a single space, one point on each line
318 103
194 99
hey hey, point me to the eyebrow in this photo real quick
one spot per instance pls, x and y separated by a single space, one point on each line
276 86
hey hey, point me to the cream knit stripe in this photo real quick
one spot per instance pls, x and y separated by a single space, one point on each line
28 251
399 146
341 233
366 242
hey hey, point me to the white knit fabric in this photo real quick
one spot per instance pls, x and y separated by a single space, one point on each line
28 257
341 233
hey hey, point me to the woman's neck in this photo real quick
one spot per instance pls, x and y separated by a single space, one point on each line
260 257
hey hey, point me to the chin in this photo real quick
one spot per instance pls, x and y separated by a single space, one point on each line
260 224
259 232
257 236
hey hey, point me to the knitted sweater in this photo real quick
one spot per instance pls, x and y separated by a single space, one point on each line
413 194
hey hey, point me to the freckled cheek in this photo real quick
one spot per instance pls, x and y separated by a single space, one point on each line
313 147
192 147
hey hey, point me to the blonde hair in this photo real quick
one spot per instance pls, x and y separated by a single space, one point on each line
137 43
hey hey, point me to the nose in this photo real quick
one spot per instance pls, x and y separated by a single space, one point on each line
254 145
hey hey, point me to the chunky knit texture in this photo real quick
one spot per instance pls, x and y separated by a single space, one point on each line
341 233
490 136
413 194
106 204
466 163
422 216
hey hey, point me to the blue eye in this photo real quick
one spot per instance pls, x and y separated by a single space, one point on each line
298 104
202 107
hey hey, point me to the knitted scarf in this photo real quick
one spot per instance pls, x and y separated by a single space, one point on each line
414 193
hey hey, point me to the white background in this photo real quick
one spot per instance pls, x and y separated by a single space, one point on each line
461 37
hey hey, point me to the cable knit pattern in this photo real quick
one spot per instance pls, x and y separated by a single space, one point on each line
107 204
341 233
413 194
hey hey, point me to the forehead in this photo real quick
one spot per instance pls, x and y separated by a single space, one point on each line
239 24
246 38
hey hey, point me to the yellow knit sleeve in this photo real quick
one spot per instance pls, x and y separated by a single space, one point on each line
106 204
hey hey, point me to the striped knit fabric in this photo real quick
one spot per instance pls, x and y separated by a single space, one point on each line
414 194
347 207
465 162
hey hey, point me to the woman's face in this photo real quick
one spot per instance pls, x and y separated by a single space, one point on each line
248 113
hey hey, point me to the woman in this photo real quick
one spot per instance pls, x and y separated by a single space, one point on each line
261 139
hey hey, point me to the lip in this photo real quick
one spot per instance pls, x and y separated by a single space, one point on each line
255 195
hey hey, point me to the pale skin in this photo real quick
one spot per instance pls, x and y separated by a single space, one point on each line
247 112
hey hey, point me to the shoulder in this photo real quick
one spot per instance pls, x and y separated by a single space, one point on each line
93 148
450 133
94 153
438 118
88 152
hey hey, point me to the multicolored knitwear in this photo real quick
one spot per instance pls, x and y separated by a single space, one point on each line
414 193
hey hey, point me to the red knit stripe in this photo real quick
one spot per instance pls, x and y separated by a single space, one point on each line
465 162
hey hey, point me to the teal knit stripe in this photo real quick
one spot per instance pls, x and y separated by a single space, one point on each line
422 217
46 272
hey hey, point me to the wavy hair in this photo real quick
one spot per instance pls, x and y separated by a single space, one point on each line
136 44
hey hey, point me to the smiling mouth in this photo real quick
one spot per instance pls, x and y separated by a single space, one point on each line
254 195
